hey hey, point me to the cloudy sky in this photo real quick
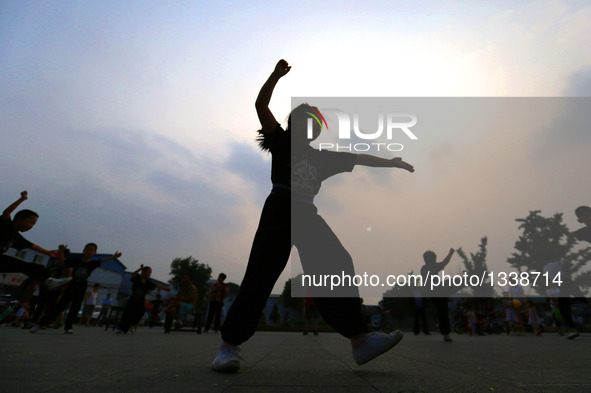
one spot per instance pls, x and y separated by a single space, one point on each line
132 124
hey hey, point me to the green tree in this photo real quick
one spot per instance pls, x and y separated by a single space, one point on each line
198 272
286 299
476 265
542 241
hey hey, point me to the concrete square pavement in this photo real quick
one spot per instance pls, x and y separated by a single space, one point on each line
94 360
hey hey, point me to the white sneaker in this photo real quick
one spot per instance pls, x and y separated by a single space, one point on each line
227 361
69 331
573 335
376 344
52 283
35 329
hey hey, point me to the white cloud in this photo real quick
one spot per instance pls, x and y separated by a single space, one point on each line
144 113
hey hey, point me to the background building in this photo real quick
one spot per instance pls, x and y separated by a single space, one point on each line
111 275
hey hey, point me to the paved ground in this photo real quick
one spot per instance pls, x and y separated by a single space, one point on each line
93 360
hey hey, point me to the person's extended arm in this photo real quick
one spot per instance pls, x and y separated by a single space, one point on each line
562 228
162 287
8 211
447 258
41 250
265 115
378 162
137 271
114 256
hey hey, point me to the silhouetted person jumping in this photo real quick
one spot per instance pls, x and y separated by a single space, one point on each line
297 172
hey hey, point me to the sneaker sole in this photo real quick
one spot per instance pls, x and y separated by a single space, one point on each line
384 350
230 367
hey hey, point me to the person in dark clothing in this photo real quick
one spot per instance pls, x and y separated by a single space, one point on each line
81 269
217 294
296 177
432 268
10 237
156 308
106 305
583 214
135 307
562 287
561 271
420 313
48 299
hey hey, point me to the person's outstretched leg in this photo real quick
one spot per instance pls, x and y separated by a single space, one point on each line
441 304
125 322
167 323
44 297
137 313
209 316
218 315
9 264
564 305
55 310
322 253
77 299
268 257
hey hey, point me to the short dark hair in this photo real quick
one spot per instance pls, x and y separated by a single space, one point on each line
146 268
222 276
91 245
429 257
24 214
579 211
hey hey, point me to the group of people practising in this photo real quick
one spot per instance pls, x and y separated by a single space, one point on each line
289 218
63 284
65 271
